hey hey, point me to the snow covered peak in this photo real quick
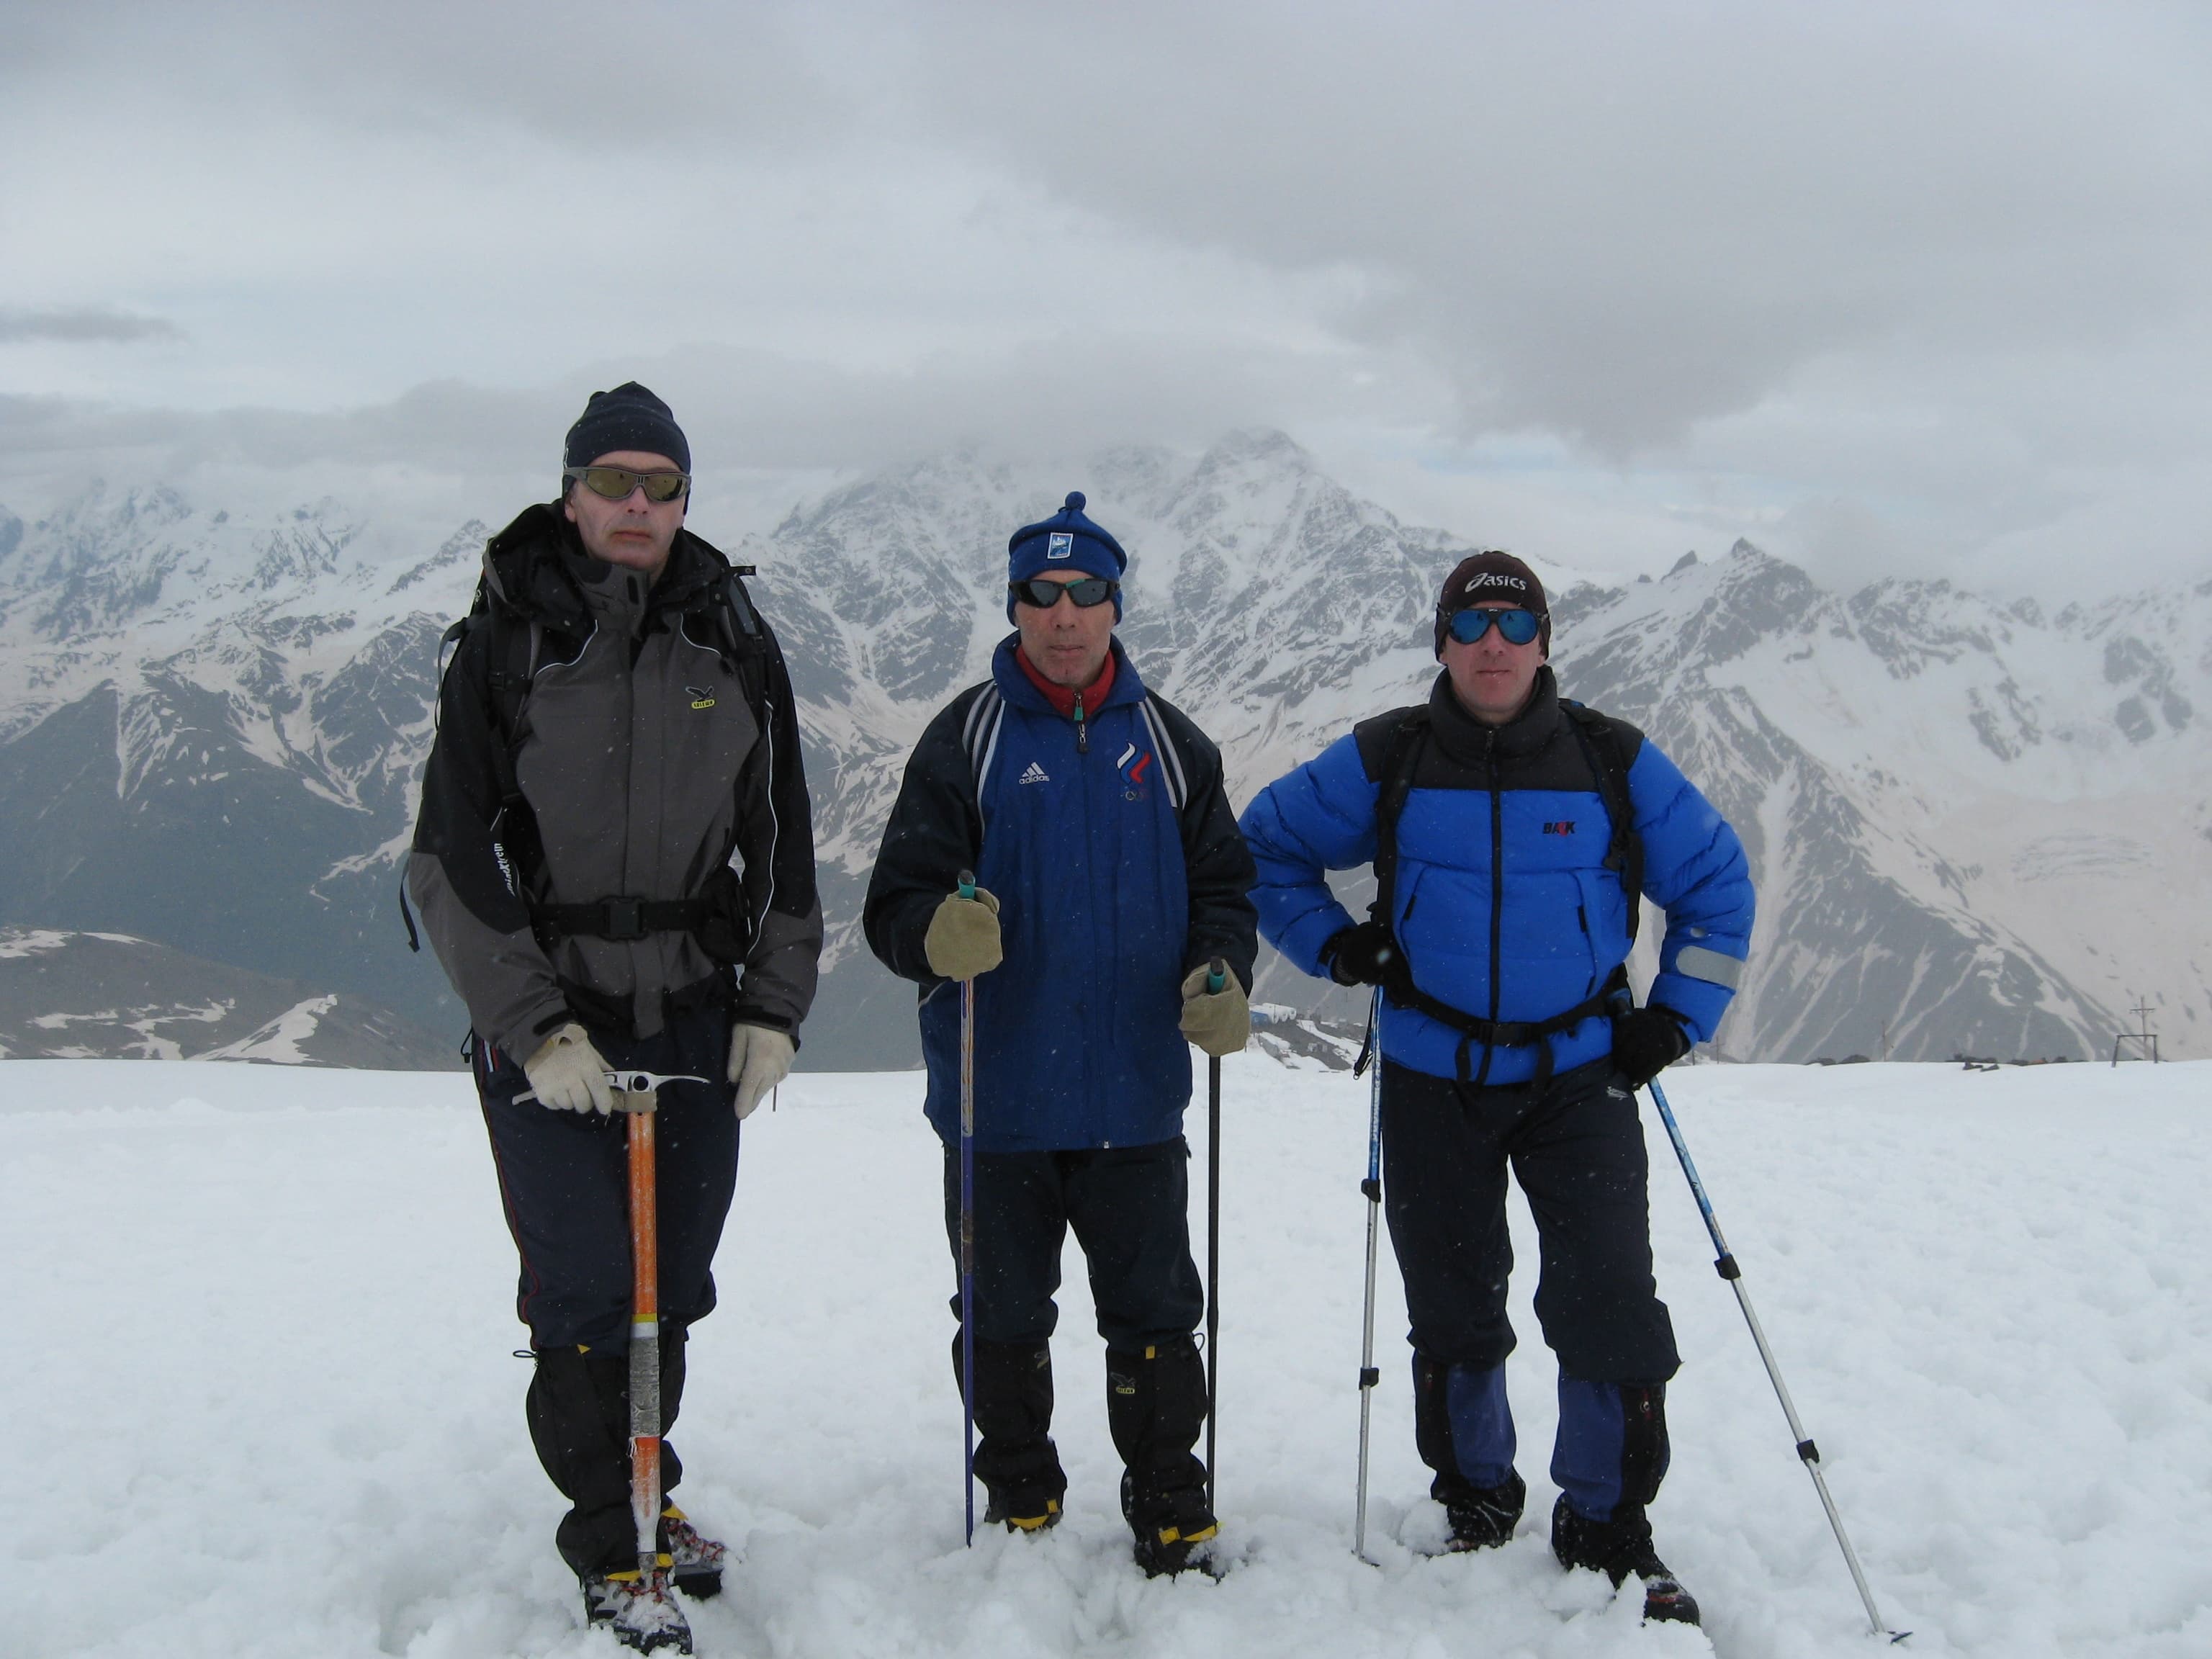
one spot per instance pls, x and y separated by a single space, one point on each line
1948 799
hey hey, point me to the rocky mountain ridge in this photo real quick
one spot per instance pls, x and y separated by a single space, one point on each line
1977 827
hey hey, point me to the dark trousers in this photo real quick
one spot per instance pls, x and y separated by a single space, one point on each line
564 1181
1575 1145
1130 1208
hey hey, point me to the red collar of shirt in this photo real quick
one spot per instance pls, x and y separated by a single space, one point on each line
1062 697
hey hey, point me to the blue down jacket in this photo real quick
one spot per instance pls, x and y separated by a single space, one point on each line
1116 862
1501 900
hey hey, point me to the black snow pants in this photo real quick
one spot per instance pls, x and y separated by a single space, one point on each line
1130 1209
1575 1145
564 1181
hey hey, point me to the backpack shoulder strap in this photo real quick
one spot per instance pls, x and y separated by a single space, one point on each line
1399 761
743 638
1624 853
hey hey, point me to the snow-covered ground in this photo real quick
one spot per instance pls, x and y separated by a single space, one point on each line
258 1400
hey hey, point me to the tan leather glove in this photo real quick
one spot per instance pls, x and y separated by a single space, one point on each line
1220 1022
569 1074
963 940
760 1058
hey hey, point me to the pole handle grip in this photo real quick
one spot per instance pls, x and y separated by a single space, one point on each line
1216 975
968 884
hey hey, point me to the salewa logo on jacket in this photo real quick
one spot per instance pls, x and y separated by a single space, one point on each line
1034 774
1560 827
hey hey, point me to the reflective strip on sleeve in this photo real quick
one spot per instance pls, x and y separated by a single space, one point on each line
1712 966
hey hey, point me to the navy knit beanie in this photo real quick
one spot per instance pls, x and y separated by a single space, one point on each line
628 417
1066 541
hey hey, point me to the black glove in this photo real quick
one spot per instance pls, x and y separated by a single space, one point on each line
1364 954
1646 1042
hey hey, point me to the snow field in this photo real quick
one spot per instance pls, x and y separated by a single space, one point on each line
262 1404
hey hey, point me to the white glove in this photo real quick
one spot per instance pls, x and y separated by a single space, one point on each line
760 1058
569 1074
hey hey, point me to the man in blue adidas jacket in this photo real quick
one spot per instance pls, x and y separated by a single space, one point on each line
1109 873
1507 880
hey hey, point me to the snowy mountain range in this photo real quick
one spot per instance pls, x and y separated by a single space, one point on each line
1977 827
80 996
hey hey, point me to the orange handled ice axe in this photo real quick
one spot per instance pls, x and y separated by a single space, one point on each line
644 1327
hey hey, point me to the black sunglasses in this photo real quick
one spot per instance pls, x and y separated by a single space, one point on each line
615 482
1085 591
1517 627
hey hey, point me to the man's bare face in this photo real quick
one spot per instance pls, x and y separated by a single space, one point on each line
633 532
1494 677
1068 643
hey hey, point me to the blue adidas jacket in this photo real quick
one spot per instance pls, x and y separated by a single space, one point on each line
1502 901
1118 867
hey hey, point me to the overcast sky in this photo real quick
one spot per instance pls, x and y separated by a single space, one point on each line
1916 287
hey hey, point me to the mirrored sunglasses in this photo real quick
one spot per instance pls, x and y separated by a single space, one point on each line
1518 626
1085 591
615 482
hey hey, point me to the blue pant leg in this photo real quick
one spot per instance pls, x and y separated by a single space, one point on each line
1580 1158
1612 1451
1462 1426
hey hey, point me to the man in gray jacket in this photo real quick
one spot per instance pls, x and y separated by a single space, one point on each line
615 865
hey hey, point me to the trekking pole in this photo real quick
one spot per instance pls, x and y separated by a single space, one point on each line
644 1330
1217 976
1725 1265
967 1230
1370 1055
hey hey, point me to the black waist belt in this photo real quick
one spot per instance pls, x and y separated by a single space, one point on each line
623 918
1508 1033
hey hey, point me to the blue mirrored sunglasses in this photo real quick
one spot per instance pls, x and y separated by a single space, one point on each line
1518 626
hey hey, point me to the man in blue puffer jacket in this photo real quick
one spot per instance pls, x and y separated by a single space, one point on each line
1108 874
1503 920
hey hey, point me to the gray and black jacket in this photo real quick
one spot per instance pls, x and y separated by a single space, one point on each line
637 769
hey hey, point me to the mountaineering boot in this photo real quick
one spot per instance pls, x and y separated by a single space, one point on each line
1483 1517
578 1412
1618 1548
638 1610
1156 1408
1464 1428
1015 1458
695 1561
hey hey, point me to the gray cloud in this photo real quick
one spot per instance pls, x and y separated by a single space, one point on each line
1926 270
84 322
741 408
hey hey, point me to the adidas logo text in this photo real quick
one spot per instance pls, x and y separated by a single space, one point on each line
1034 774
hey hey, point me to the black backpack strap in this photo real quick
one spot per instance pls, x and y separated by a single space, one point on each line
743 641
1399 761
1624 853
